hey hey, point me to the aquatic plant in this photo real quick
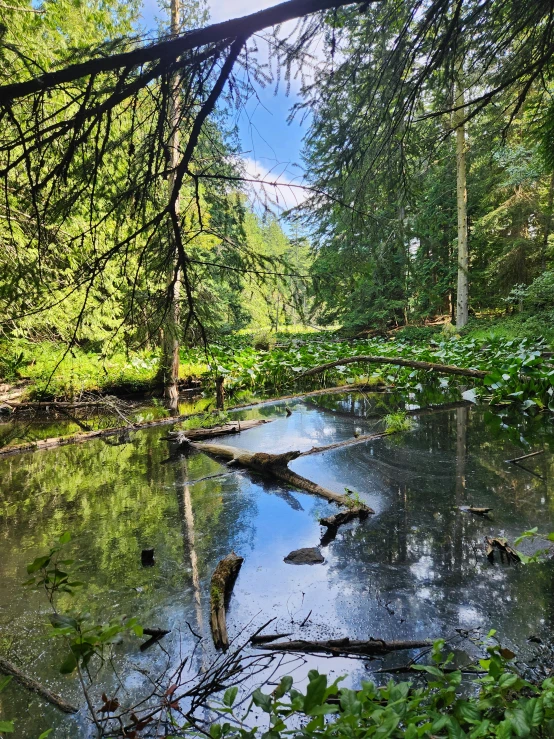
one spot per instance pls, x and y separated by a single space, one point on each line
398 421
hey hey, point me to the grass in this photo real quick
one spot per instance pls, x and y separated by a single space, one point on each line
398 421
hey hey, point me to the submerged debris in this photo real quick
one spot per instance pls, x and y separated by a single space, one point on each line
223 580
499 544
305 556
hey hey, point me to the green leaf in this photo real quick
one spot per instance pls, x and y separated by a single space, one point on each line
284 686
7 727
315 693
59 621
262 700
230 695
4 682
46 733
69 664
37 564
534 711
65 538
518 722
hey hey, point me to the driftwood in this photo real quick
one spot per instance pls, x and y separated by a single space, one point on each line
265 638
332 523
275 465
445 369
222 584
345 646
348 442
475 510
499 544
155 636
233 427
31 684
58 441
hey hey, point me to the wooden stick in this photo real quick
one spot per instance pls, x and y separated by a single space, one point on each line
333 522
345 646
31 684
223 580
446 369
516 460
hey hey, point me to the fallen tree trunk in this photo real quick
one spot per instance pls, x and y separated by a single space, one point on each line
275 465
233 427
345 646
333 522
31 684
222 583
57 441
446 369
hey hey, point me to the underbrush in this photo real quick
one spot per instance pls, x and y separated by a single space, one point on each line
255 363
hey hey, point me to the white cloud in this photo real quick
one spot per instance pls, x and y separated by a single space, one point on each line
278 185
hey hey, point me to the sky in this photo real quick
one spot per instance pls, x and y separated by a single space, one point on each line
270 147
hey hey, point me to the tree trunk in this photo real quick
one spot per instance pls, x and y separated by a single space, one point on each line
461 196
547 222
170 348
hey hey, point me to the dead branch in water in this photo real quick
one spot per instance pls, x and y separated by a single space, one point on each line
445 369
31 684
345 646
275 465
223 580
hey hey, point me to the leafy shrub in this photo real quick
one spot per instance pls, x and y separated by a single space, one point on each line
502 705
398 421
418 333
264 341
540 293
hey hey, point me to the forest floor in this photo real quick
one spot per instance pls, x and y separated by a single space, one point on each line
255 363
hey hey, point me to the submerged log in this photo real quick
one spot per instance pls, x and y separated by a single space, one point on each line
31 684
445 369
346 646
333 522
274 465
499 544
222 584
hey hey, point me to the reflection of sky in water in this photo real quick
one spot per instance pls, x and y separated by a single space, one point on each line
415 569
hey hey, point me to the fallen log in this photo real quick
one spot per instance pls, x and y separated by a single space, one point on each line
222 584
445 369
275 465
346 646
333 522
33 685
475 510
78 438
233 427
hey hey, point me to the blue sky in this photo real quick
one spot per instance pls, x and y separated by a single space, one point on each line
271 146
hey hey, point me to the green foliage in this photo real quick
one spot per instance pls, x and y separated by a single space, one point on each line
397 421
499 704
6 727
83 637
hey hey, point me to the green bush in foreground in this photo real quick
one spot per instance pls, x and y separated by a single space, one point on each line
498 703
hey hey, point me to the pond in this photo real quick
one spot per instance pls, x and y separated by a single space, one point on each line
415 569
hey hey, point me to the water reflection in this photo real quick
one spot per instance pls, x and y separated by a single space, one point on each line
414 569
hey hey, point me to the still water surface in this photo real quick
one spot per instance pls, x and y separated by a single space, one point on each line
415 569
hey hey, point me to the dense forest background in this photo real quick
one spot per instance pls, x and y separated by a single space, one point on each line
373 246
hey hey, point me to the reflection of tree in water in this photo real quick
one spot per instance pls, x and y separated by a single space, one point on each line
420 563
